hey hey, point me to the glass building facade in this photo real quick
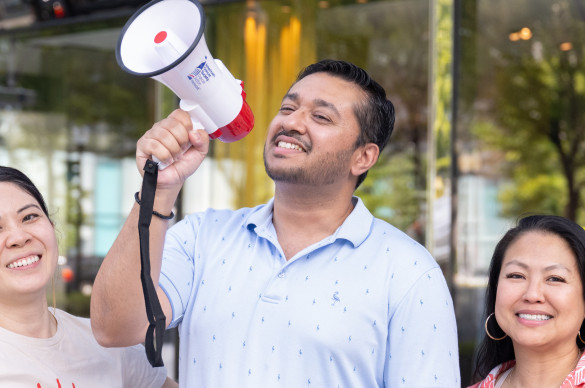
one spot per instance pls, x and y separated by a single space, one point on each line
489 95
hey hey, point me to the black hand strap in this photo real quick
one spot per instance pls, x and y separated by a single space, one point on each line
156 318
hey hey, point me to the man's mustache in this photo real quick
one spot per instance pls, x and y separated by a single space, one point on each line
292 134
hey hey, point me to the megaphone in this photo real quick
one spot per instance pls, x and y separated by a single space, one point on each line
164 40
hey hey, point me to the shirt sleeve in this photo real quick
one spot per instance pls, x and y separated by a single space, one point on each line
178 266
422 346
137 371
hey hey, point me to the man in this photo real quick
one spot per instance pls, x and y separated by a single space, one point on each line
307 290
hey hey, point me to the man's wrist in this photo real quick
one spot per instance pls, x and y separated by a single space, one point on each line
170 215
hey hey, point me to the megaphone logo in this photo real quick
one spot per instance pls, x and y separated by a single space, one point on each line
164 40
200 75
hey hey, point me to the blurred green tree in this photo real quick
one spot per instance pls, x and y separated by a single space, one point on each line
538 121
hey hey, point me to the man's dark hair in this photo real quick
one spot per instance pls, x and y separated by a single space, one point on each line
491 353
375 115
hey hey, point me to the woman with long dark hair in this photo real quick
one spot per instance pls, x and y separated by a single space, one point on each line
535 307
41 346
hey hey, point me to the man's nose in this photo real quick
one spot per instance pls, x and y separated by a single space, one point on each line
295 121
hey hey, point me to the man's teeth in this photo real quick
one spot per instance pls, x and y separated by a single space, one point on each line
535 317
284 144
22 262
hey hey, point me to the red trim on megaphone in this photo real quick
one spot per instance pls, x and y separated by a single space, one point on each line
239 127
215 134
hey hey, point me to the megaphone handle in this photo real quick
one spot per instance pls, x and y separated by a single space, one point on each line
161 165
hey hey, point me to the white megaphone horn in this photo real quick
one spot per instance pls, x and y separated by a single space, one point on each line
164 40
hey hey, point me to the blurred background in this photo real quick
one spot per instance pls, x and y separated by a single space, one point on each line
489 94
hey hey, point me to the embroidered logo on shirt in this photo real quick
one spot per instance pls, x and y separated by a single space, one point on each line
335 298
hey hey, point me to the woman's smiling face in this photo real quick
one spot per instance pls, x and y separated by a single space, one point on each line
539 301
28 245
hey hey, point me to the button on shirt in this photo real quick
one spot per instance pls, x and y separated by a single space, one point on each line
365 307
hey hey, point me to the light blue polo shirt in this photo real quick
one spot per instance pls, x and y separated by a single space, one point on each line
365 307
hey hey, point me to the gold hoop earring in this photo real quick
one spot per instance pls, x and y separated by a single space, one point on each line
488 332
580 339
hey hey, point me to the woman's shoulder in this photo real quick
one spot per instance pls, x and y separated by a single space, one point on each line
71 322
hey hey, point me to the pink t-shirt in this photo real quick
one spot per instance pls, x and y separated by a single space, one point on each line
575 379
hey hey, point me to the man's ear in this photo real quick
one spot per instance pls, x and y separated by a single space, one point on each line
364 158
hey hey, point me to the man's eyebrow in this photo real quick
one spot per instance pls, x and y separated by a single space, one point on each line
291 96
326 104
318 102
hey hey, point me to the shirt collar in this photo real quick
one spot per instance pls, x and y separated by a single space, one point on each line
354 229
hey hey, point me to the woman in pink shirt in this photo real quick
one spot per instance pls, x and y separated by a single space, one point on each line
535 308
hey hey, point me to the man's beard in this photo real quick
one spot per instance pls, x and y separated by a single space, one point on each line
325 170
